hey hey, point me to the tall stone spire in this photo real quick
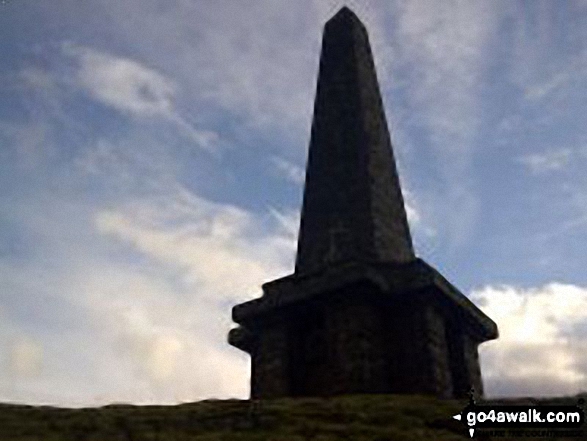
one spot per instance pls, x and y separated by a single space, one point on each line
360 313
353 208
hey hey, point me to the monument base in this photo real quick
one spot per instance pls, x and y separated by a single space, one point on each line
363 328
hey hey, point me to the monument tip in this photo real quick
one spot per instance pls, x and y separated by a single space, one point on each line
344 13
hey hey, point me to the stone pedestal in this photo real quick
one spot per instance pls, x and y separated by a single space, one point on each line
363 328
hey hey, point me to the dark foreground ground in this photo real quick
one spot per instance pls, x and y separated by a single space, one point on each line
368 418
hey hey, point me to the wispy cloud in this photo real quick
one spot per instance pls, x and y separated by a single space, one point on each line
216 246
540 90
549 161
424 235
133 88
124 84
257 62
288 170
289 222
438 68
445 46
412 210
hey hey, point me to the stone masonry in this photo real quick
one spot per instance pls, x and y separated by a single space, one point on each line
361 313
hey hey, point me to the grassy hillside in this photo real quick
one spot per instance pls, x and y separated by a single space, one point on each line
373 418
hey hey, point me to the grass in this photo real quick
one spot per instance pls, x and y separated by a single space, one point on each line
359 417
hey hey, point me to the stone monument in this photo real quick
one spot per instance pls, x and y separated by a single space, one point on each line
361 313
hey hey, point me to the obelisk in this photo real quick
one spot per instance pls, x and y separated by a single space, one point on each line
361 313
353 206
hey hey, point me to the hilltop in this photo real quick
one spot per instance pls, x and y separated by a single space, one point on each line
362 417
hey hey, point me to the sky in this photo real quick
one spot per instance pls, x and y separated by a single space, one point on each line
152 159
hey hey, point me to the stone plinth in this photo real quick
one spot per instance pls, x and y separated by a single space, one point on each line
363 328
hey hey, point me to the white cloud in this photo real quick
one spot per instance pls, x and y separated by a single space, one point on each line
413 215
218 248
540 350
25 358
422 227
163 356
166 339
289 222
133 88
257 62
123 83
412 211
152 331
132 291
289 171
548 161
219 254
539 90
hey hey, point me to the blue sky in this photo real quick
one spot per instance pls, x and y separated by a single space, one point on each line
152 159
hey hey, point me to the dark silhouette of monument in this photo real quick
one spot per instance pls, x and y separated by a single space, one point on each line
361 313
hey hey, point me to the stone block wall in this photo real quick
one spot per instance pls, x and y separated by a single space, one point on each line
464 361
356 344
309 359
270 376
417 349
355 341
437 347
472 365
